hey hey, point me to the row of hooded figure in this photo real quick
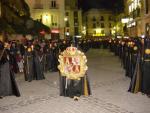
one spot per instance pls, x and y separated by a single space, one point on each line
43 57
47 50
37 57
33 58
135 59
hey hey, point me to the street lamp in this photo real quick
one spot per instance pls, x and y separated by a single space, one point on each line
65 33
65 19
115 31
0 9
84 30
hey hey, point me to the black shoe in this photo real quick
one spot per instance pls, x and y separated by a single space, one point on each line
148 96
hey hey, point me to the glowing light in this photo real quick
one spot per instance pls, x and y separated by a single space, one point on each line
65 19
126 37
134 5
46 19
84 27
142 36
134 24
55 31
98 30
42 32
67 33
125 20
78 36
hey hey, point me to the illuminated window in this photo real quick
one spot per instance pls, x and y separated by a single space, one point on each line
132 5
138 2
130 9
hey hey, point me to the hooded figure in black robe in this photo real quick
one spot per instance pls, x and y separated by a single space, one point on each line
49 58
135 84
8 85
146 68
13 53
74 88
39 59
28 64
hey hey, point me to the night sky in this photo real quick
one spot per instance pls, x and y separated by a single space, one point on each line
115 5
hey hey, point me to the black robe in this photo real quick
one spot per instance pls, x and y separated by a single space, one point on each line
146 68
39 65
28 66
49 59
135 84
146 77
71 88
8 85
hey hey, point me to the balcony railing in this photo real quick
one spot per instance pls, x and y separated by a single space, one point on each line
54 6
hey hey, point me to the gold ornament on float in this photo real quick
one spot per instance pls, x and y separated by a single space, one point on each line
72 63
147 51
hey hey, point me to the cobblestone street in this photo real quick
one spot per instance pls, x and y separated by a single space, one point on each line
108 84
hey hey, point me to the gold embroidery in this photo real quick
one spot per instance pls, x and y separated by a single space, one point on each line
72 63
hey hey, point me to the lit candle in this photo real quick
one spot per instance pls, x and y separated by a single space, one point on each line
32 47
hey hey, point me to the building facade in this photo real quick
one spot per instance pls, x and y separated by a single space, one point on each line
0 9
99 22
50 13
120 27
146 18
73 18
138 12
